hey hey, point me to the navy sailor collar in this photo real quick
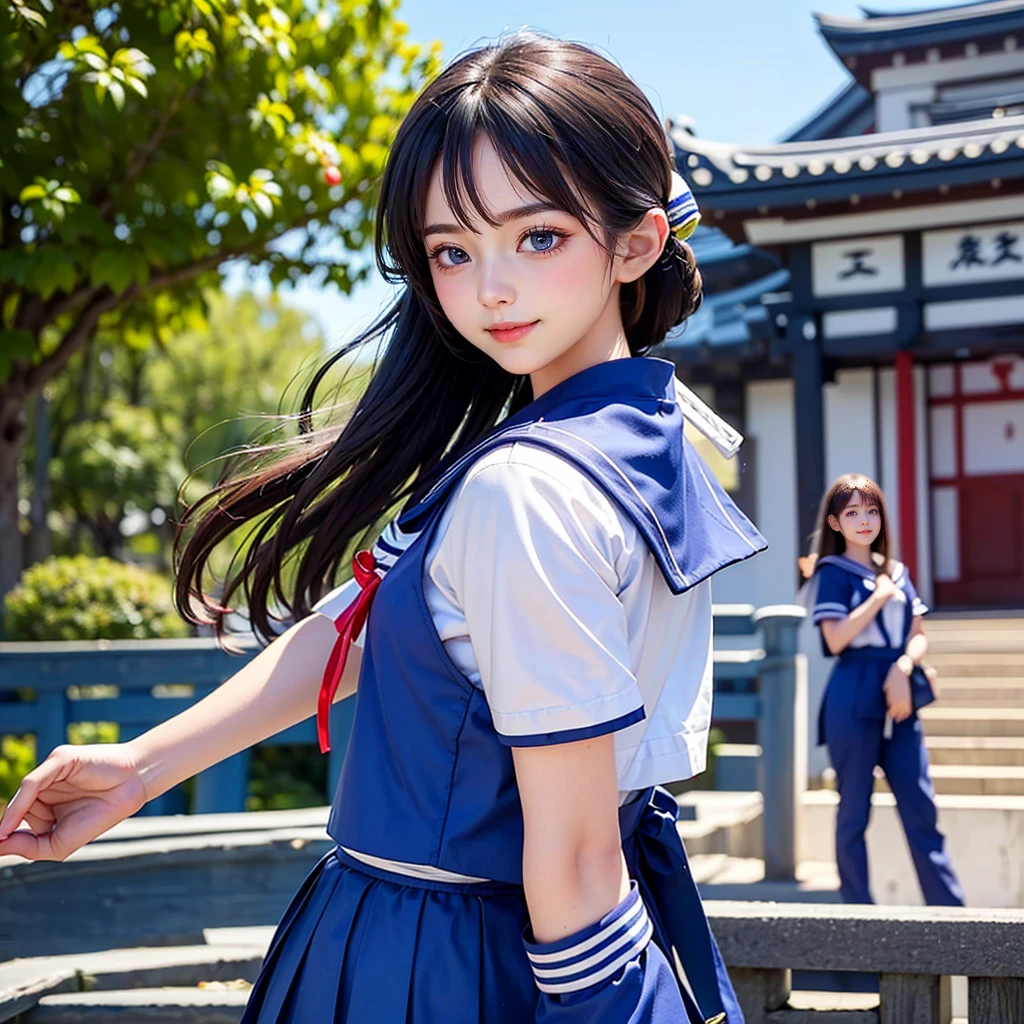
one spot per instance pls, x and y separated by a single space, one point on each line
856 569
620 423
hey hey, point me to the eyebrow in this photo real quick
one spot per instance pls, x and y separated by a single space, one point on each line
502 218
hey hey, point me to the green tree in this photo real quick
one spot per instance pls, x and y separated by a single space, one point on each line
145 143
126 421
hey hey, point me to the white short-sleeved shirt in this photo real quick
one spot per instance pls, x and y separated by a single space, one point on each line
545 595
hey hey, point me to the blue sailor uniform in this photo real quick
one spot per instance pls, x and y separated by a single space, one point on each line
852 724
428 780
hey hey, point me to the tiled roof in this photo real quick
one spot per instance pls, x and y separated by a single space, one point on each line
882 32
733 318
739 177
851 111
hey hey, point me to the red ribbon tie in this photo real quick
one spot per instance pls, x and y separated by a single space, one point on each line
348 624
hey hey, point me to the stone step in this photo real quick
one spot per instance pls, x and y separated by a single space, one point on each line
972 664
976 750
212 1005
972 780
986 699
226 957
946 721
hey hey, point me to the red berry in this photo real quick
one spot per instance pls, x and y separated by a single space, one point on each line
332 175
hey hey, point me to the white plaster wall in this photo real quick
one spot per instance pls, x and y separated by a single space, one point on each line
894 106
768 578
849 425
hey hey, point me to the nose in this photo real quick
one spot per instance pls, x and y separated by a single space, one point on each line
495 288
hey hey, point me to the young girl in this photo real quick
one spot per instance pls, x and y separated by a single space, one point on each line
870 618
538 657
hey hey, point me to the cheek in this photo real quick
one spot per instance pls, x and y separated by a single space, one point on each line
454 294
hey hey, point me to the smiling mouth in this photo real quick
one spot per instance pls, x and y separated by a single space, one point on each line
511 331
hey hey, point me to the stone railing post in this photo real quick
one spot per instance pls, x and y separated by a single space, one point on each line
783 736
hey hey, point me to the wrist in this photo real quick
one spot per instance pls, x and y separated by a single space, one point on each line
149 766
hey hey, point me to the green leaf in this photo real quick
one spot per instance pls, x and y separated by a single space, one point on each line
264 204
30 192
17 344
116 269
117 94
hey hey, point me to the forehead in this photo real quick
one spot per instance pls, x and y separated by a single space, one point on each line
498 190
857 500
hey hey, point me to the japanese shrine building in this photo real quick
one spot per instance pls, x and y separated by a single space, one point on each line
866 301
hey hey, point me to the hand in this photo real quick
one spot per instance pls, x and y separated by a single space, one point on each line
897 694
75 795
933 677
884 587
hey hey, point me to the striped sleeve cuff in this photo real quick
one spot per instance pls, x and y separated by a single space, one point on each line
829 610
594 954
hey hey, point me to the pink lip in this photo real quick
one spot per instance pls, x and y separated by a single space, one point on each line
510 331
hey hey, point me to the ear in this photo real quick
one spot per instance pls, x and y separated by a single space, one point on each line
641 247
834 523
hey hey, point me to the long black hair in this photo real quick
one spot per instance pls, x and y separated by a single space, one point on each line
573 128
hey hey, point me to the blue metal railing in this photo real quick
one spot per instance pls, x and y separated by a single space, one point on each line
763 683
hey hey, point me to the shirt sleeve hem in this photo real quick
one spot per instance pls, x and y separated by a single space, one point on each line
544 739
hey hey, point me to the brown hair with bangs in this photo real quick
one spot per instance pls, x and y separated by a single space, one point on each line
839 495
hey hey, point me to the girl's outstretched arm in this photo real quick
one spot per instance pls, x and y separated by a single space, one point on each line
79 792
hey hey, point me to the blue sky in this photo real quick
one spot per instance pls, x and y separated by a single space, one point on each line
745 70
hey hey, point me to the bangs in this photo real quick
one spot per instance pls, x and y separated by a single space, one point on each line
869 490
527 160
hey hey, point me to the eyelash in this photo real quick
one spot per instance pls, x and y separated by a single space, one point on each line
559 235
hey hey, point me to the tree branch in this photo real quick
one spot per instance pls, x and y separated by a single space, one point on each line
138 161
103 300
76 337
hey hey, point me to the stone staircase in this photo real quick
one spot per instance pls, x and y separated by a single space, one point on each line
975 731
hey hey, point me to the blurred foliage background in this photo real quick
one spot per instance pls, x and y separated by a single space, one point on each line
149 148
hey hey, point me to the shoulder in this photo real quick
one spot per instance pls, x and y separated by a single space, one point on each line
538 481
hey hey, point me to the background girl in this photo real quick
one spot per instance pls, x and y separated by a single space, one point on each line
538 657
870 618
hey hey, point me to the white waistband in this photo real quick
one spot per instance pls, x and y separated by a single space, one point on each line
425 872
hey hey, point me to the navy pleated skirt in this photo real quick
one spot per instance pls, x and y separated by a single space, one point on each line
374 948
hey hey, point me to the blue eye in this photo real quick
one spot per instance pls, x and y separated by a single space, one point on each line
544 240
457 256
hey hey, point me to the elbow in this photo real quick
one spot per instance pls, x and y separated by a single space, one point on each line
572 864
835 643
572 884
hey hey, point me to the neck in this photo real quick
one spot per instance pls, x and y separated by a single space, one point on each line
860 553
605 341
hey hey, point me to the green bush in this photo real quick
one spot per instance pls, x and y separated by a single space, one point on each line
17 759
82 598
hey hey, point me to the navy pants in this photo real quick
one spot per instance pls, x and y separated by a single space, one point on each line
855 746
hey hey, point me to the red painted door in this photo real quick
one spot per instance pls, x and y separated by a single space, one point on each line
976 428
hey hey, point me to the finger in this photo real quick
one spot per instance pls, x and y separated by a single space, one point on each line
28 845
31 786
